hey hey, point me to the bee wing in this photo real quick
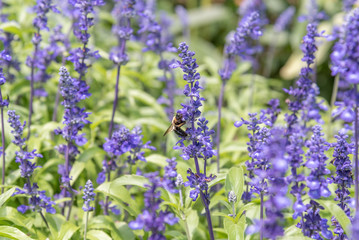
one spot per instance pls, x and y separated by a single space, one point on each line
170 129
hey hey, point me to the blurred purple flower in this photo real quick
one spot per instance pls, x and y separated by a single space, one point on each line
38 200
284 19
343 178
277 184
151 219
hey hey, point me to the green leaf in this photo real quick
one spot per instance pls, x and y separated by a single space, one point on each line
67 230
120 231
157 159
76 170
11 27
5 196
338 213
235 181
134 180
79 165
235 231
121 194
13 233
98 235
192 221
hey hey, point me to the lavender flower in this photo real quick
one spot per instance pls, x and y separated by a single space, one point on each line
38 200
306 91
88 197
4 57
42 8
75 119
151 219
247 7
284 19
258 138
170 176
314 16
183 16
244 42
122 141
81 26
122 12
200 184
199 137
8 61
312 224
316 158
343 177
348 5
345 63
278 185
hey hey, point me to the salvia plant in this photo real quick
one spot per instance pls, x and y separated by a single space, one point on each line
164 137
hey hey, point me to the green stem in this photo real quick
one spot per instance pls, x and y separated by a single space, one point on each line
87 218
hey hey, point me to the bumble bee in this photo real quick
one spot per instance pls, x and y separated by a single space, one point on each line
176 125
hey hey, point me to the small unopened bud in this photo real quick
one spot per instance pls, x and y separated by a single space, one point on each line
179 180
232 198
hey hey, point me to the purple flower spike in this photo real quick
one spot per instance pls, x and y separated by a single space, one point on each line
88 197
278 185
199 182
284 19
123 12
37 199
82 24
199 137
123 141
316 159
151 219
343 177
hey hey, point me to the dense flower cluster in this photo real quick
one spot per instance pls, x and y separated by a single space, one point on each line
346 64
313 15
122 12
123 141
343 177
42 57
247 7
201 146
4 58
258 139
82 23
242 44
284 19
199 182
278 185
8 61
170 176
88 197
348 4
306 91
38 199
303 107
75 118
312 223
316 158
151 219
